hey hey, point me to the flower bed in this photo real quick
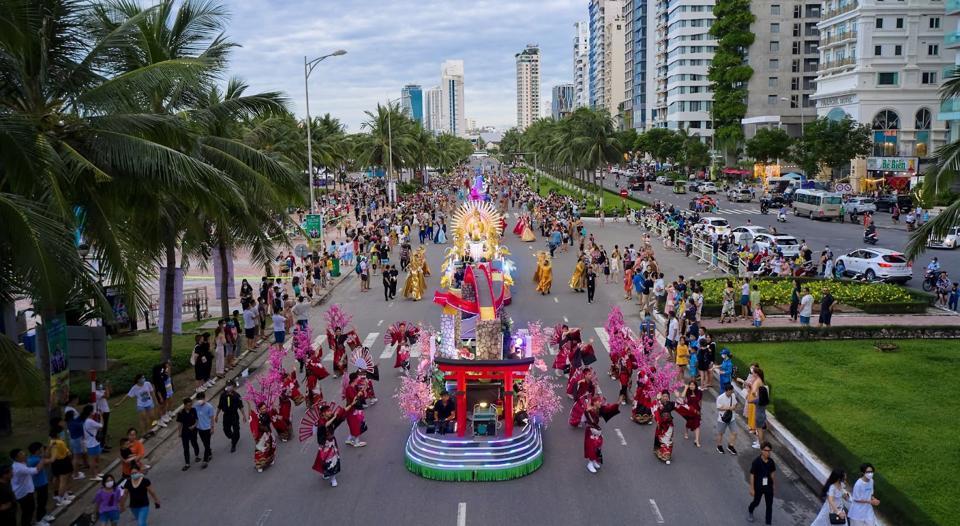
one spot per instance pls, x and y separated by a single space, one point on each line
873 298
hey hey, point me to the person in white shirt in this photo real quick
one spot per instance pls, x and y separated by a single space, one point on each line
102 407
673 333
143 392
806 307
250 325
91 429
300 311
660 291
862 500
726 419
22 484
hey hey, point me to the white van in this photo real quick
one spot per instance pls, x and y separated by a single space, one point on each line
817 204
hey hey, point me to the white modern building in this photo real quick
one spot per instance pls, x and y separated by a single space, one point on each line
680 50
528 86
563 101
881 64
950 109
606 55
635 63
432 109
451 93
581 64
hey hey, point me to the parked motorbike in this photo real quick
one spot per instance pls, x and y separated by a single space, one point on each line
870 238
807 270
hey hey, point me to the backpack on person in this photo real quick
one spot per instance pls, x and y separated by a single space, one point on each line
763 396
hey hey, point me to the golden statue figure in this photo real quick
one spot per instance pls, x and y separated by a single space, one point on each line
416 284
543 276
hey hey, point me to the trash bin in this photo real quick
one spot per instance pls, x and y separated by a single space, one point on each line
335 271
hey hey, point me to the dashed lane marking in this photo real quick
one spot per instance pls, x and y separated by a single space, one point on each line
264 516
462 514
565 320
379 323
656 511
556 300
372 337
623 441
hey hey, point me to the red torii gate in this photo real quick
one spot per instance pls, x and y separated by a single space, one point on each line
462 370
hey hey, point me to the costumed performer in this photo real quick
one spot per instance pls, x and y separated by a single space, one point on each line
327 461
403 335
641 400
583 393
592 434
663 432
543 276
355 401
690 410
315 371
527 234
578 280
265 448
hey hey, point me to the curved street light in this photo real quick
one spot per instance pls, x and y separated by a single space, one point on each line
308 66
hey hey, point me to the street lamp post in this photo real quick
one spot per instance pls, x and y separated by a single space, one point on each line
390 180
308 66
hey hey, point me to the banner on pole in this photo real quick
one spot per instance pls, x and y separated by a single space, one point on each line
56 332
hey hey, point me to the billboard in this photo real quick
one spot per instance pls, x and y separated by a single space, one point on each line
56 332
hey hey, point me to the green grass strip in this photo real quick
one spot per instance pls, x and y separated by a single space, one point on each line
474 475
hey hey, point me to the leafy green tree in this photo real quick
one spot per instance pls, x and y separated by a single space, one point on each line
729 70
695 153
769 144
661 143
832 143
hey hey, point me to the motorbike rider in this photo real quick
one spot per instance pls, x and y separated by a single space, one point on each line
764 205
870 232
782 215
933 266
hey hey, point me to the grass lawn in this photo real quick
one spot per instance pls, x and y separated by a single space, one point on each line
853 404
128 355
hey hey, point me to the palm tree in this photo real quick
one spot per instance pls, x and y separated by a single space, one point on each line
942 177
596 143
185 37
388 137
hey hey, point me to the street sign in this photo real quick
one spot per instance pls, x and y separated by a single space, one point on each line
301 251
844 187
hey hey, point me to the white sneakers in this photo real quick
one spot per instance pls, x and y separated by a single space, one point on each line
356 443
79 476
333 482
592 466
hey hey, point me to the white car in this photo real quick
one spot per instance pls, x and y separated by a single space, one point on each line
713 224
949 241
875 263
788 245
739 195
859 205
708 188
663 180
742 234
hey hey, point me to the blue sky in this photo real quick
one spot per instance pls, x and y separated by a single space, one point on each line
392 43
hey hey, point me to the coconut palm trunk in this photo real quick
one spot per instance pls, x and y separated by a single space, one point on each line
224 276
169 286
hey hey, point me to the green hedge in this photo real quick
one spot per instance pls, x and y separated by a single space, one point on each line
875 298
824 333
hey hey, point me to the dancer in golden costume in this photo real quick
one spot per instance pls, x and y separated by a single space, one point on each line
527 232
416 283
578 281
543 276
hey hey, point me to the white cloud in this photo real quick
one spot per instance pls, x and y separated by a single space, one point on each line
392 43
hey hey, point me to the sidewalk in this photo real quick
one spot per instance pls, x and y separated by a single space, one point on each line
841 320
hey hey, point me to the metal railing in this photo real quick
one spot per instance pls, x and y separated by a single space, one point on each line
830 13
698 247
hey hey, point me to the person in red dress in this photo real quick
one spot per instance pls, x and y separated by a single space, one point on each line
641 400
327 461
584 390
265 447
354 407
315 372
592 434
690 410
338 344
663 433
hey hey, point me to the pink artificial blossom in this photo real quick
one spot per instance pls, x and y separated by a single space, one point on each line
540 399
413 397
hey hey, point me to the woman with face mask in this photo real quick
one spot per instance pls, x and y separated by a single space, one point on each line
146 397
138 491
861 508
107 502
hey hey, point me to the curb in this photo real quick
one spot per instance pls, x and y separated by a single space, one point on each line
159 439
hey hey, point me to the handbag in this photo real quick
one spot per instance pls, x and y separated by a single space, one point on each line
835 519
727 416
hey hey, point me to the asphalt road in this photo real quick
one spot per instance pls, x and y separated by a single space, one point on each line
699 487
841 237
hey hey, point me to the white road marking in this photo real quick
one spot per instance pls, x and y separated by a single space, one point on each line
554 350
372 337
264 516
604 337
623 441
556 300
379 323
462 514
387 353
318 341
565 320
656 511
415 351
327 357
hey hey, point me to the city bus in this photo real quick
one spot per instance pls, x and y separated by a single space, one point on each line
816 204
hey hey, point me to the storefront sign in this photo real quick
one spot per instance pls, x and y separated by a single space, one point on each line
892 164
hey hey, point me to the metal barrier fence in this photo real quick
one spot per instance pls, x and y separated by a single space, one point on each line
698 247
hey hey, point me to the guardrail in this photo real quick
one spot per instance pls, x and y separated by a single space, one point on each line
696 246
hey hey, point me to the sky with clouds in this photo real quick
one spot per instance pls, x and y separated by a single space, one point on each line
391 43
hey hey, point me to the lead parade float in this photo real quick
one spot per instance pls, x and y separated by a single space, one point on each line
491 370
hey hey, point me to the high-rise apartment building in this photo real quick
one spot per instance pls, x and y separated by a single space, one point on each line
581 64
635 63
411 102
785 57
681 49
881 64
528 86
606 55
563 101
452 104
432 112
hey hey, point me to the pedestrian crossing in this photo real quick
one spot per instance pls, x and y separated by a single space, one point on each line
603 337
738 211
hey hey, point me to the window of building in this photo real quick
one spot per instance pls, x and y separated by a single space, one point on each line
795 66
774 46
795 48
888 78
775 9
934 22
774 27
922 124
897 50
928 77
795 83
886 125
878 51
773 82
797 11
933 49
899 23
879 22
774 64
796 30
771 100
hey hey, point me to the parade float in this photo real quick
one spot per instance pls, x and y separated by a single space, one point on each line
489 368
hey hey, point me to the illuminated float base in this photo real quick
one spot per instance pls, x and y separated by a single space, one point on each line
446 457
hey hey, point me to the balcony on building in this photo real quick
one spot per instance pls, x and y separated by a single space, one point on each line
952 40
949 110
836 64
832 39
952 7
841 8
